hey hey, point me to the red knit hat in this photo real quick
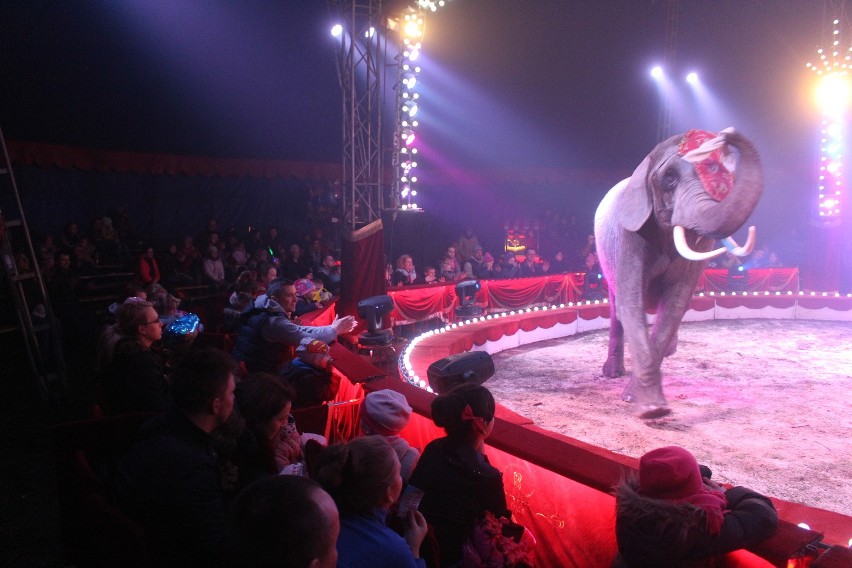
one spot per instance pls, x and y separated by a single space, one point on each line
312 346
669 473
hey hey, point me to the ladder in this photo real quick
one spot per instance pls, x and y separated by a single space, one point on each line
24 285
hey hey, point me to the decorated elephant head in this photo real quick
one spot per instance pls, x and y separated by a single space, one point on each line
699 182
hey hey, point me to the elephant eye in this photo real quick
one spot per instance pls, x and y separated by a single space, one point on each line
670 180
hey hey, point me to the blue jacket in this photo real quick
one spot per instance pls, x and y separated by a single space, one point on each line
365 541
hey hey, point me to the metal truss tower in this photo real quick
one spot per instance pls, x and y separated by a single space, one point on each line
665 121
361 68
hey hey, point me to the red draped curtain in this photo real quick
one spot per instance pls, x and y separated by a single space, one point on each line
362 267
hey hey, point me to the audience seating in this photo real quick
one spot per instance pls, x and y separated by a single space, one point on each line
95 532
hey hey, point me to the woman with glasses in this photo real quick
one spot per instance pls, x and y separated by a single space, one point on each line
134 381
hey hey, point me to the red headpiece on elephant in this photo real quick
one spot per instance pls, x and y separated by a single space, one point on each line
705 150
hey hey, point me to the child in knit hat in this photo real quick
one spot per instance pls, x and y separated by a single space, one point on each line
310 374
385 413
672 514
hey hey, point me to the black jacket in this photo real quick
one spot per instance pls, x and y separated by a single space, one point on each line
660 534
169 482
459 485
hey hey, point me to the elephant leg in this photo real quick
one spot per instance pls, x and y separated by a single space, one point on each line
669 315
614 365
645 387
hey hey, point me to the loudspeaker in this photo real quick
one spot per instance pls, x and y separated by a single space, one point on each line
469 367
737 280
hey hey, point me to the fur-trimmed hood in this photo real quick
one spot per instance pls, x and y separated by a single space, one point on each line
654 532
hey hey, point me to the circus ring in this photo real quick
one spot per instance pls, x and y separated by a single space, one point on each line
558 486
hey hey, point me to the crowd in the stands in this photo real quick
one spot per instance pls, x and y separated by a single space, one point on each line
222 474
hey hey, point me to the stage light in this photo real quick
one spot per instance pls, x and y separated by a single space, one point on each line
692 78
657 72
373 310
466 292
468 367
832 93
336 30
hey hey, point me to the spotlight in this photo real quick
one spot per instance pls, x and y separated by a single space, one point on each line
373 310
336 30
466 291
657 72
692 78
470 367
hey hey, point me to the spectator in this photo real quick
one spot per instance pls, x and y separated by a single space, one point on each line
773 261
267 327
363 478
86 255
238 258
385 413
429 276
468 242
585 249
134 380
389 275
47 255
190 258
202 239
267 445
672 516
294 265
310 375
245 291
304 301
214 270
169 482
486 270
284 521
458 482
148 270
510 267
172 274
593 278
559 265
450 266
405 273
473 265
69 238
315 254
530 266
329 273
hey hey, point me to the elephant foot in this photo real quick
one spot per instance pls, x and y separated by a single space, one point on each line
651 411
649 400
613 369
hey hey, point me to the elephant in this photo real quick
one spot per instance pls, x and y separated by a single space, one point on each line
655 233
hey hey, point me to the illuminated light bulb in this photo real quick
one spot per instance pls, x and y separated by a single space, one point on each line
336 30
657 72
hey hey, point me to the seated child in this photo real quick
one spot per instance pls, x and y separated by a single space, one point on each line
385 413
310 375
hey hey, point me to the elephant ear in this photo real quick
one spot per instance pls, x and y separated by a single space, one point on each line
635 202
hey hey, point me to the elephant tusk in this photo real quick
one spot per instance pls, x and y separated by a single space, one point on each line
686 252
738 250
